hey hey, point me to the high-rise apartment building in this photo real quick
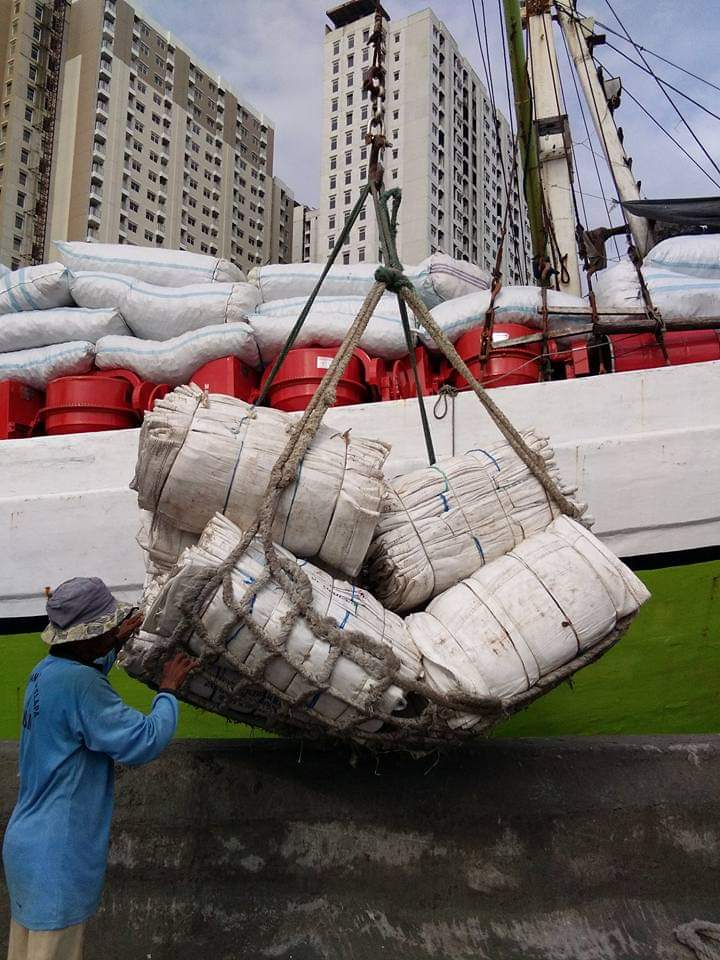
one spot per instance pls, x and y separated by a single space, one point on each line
32 33
443 151
281 223
152 147
305 221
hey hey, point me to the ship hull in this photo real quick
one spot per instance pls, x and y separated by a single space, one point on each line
643 448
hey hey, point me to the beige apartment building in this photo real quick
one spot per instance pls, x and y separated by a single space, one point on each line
113 131
281 225
304 236
32 35
153 148
443 154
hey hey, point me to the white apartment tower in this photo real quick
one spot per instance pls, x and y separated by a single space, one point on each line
444 153
155 149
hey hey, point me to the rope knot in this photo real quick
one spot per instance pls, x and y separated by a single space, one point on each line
393 279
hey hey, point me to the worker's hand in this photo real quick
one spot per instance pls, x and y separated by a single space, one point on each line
175 671
126 629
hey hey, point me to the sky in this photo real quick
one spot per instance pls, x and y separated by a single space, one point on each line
270 52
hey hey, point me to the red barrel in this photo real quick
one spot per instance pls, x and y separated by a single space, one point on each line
303 369
503 367
87 404
230 376
399 384
19 406
641 351
144 392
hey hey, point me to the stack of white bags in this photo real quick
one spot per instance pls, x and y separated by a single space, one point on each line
502 589
165 313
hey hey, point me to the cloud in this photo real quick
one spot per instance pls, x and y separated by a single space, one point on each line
270 52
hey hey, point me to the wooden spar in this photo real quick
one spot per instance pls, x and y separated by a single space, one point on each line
576 32
527 139
554 146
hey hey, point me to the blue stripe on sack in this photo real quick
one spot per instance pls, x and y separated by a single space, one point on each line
345 619
685 287
219 294
347 278
135 263
488 455
176 343
479 548
683 265
34 363
26 290
108 277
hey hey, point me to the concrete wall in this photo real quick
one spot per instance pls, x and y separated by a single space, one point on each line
587 849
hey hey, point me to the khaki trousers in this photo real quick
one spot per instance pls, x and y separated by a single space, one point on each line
65 944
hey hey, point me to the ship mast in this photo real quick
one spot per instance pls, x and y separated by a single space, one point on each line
545 139
554 146
577 32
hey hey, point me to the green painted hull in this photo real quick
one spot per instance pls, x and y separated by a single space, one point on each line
661 678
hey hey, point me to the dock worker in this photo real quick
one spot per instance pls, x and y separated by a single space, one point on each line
75 726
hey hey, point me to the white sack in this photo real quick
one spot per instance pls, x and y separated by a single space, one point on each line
174 361
697 256
39 328
36 367
437 278
42 287
441 523
350 607
525 614
159 313
674 294
97 290
169 268
512 305
198 457
327 325
162 543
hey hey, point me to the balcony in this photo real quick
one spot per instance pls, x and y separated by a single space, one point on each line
96 193
96 175
105 68
102 109
94 217
108 30
101 133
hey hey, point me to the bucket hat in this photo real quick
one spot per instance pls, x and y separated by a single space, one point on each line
80 608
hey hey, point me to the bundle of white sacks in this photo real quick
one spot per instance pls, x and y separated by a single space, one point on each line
165 313
504 590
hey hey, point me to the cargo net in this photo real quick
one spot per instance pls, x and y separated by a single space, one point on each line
296 668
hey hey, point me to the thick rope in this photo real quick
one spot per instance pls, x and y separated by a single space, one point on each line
691 935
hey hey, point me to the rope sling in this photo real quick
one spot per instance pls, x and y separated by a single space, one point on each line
427 721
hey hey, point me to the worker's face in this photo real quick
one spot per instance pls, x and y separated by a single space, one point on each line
93 648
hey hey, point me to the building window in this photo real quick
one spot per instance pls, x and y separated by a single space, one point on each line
333 182
24 155
334 106
361 233
346 257
19 221
348 177
351 41
331 203
361 254
347 196
349 80
336 66
21 199
348 138
331 242
351 60
336 48
335 86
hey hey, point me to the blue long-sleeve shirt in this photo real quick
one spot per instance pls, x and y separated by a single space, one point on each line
74 727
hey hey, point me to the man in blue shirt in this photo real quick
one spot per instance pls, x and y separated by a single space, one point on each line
74 728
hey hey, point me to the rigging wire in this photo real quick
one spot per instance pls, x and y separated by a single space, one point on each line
662 88
639 47
485 59
665 83
523 265
589 140
669 135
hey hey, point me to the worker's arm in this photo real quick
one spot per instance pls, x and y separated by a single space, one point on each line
108 725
